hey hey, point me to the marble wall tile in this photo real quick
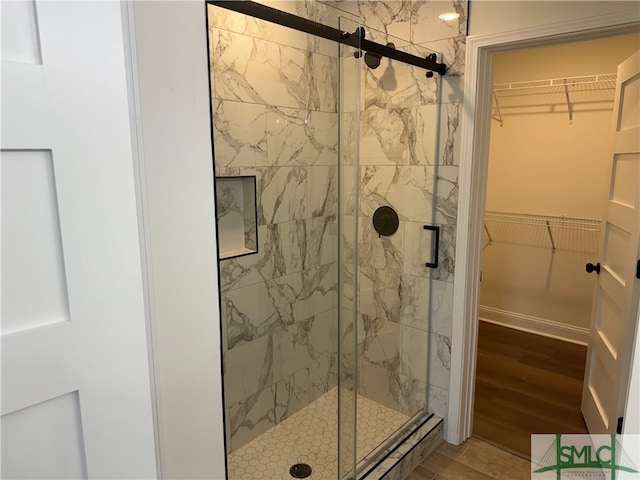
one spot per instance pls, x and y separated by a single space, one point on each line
438 401
409 190
415 299
391 17
239 134
413 395
323 374
322 191
247 321
397 85
415 353
441 307
251 70
379 295
379 383
419 240
446 193
424 151
321 241
449 150
305 343
288 244
386 135
426 26
439 361
382 253
251 417
323 84
321 288
291 394
248 369
283 193
381 342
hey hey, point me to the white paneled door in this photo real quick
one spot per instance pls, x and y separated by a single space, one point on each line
614 315
76 397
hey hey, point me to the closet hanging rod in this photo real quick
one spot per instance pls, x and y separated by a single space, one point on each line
285 19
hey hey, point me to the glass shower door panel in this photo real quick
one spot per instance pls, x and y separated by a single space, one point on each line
348 120
398 169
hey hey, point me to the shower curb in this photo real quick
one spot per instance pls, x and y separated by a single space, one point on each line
400 459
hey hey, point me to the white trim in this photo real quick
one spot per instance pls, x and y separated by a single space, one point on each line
474 139
143 225
539 326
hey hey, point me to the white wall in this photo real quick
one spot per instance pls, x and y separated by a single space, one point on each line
177 169
487 17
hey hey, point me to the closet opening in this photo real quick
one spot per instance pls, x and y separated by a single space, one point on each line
546 195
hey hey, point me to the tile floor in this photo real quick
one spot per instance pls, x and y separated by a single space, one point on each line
310 436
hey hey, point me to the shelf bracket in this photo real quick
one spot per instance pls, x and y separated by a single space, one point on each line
553 244
569 104
488 234
498 109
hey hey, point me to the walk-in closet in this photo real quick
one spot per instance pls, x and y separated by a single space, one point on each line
546 192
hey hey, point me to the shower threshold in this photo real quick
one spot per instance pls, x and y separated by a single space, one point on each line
310 437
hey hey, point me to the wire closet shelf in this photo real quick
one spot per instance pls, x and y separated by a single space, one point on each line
603 81
557 232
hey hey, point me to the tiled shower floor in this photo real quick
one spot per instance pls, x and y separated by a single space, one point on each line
310 436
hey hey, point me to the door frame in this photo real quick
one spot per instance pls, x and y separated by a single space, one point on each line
472 183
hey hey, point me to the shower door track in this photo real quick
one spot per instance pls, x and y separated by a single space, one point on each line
289 20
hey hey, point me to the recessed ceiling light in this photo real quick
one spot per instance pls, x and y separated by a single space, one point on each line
449 16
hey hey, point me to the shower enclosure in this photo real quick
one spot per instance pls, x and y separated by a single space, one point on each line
325 313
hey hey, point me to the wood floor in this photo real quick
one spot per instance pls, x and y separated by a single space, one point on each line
473 460
525 384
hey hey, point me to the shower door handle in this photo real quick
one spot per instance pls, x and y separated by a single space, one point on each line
436 246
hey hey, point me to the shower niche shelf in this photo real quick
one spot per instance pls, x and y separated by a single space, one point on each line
236 216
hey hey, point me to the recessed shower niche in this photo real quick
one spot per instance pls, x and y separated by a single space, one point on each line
236 215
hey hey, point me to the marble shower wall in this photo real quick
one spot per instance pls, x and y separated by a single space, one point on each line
274 93
409 128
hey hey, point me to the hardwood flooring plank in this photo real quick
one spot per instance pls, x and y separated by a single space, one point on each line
447 468
526 383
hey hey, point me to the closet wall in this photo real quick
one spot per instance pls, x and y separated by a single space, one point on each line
548 157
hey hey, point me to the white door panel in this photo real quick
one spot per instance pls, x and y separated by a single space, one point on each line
76 397
613 322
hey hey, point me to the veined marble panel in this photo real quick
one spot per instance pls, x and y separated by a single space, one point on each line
257 71
323 83
239 134
251 417
453 54
387 136
413 396
283 194
383 253
248 369
349 131
416 240
441 308
380 296
446 192
261 309
321 288
426 26
305 343
322 241
438 401
381 343
415 350
291 394
224 19
450 134
439 361
380 384
424 151
398 85
408 189
391 17
415 301
322 191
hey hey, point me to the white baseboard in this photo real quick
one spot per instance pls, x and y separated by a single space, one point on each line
540 326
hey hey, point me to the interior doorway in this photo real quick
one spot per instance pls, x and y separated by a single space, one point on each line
545 197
